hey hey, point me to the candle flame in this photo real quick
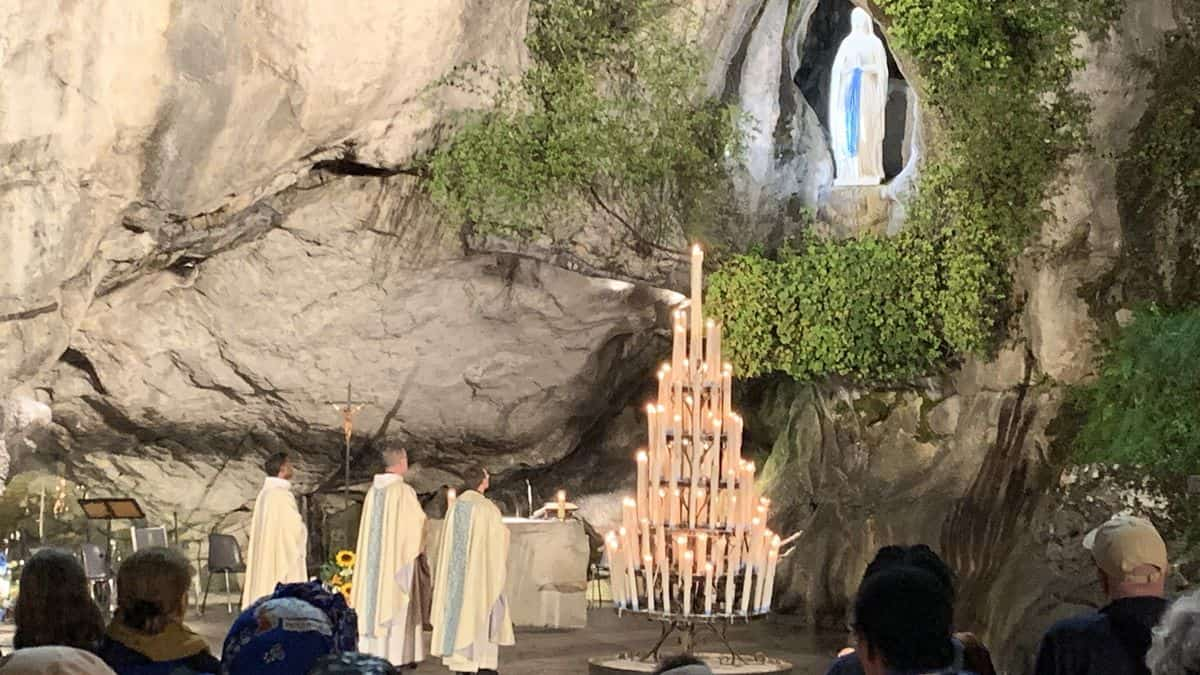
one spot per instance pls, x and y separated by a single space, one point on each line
708 567
703 536
622 532
641 456
629 502
688 554
650 408
681 540
710 324
755 521
696 250
776 541
562 495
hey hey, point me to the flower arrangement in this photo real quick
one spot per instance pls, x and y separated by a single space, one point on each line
338 573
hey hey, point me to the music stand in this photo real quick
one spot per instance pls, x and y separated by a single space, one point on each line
110 509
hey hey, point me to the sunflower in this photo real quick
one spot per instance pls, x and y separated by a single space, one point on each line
346 588
344 558
336 581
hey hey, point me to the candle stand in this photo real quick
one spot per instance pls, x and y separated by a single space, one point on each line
693 549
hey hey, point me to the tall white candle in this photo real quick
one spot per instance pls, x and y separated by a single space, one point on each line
718 554
561 498
687 582
664 383
708 588
648 567
451 495
42 516
629 551
701 549
761 564
675 497
664 565
645 523
747 589
696 310
700 505
643 483
772 561
712 365
735 558
617 567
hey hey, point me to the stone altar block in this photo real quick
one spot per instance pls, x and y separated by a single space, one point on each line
547 571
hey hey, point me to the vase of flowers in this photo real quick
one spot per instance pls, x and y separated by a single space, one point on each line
338 573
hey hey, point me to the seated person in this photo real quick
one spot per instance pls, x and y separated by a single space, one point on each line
53 661
287 632
902 621
54 608
147 635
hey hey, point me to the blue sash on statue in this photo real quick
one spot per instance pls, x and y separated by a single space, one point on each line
853 103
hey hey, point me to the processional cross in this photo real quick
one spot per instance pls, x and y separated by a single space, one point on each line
348 408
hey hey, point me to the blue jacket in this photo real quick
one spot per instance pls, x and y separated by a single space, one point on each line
1112 641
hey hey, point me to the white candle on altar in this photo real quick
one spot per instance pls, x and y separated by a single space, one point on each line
708 588
696 309
451 495
648 566
561 497
687 582
643 482
529 497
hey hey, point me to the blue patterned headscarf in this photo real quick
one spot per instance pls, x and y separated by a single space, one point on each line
286 632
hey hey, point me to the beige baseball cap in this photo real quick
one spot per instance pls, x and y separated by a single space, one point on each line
1123 544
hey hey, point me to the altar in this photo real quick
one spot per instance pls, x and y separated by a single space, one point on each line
546 584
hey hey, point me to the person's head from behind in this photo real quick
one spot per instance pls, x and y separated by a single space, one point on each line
476 478
54 607
902 618
54 661
684 664
1130 557
152 587
919 556
279 465
1176 646
395 459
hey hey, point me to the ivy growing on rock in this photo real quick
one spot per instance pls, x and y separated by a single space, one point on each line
609 118
996 77
1144 406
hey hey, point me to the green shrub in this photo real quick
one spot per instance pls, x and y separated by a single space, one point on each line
1144 406
608 118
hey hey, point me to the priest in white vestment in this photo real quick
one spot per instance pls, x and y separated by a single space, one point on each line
278 550
387 590
470 613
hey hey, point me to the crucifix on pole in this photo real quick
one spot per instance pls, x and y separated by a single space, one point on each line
348 408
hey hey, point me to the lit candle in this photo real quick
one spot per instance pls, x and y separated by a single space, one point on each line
664 383
451 495
701 549
648 567
708 588
732 511
731 570
617 567
696 309
42 516
679 335
562 504
661 507
645 537
529 496
675 498
718 555
627 560
660 542
680 547
772 561
727 388
643 482
712 353
697 448
761 564
700 505
747 588
687 582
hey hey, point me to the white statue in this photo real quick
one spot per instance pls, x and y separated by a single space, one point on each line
857 98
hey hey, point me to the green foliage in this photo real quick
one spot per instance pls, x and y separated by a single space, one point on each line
608 117
1144 408
996 76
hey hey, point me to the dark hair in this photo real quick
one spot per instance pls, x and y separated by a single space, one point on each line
673 662
390 450
905 614
274 463
150 589
53 606
472 476
919 556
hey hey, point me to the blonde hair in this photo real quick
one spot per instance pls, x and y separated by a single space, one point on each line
1176 646
151 589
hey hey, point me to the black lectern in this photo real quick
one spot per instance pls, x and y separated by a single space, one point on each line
110 509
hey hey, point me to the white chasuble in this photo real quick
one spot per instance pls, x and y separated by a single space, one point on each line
278 550
386 595
470 614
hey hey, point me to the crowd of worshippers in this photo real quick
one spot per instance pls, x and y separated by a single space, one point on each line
902 622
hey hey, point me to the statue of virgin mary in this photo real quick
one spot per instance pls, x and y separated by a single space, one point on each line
857 99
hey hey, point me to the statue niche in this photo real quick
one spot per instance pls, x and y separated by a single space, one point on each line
858 96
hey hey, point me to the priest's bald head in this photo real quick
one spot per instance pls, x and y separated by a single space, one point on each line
476 478
395 459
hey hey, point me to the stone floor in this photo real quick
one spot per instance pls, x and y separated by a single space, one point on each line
567 652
